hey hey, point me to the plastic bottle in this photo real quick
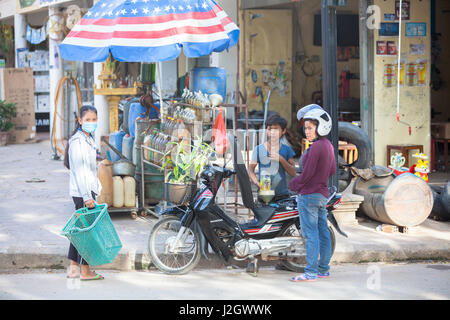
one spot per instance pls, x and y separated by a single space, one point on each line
152 145
159 143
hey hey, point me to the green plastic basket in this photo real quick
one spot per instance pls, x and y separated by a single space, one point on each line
92 233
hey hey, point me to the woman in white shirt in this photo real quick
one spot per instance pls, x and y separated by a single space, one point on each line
81 158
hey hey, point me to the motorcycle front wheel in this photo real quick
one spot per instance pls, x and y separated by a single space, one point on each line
173 249
299 264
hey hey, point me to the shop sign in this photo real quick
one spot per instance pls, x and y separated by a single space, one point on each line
24 6
46 3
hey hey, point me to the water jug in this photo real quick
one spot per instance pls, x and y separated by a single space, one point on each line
129 185
127 147
137 110
115 139
118 192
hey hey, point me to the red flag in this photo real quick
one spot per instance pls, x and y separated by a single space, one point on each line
219 134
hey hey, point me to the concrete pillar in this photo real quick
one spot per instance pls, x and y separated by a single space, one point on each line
56 72
20 28
102 106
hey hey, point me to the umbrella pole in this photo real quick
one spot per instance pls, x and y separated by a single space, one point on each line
161 109
161 113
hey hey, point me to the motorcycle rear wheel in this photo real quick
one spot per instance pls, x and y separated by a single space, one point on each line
299 264
162 238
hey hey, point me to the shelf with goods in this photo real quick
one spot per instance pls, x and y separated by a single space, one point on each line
193 121
39 62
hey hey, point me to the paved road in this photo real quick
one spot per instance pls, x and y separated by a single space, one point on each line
349 281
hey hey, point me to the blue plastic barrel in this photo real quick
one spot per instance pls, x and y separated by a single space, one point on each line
136 110
127 147
209 80
115 139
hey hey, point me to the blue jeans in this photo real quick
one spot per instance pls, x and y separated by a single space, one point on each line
314 226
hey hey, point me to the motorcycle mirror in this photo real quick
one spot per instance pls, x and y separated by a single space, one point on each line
212 156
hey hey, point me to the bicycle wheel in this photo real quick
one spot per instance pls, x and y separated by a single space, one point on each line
173 249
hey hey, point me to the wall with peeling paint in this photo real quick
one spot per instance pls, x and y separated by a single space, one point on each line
414 100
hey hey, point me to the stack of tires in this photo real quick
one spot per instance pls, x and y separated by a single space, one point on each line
355 135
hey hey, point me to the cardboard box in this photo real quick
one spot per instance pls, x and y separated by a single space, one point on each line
17 86
440 130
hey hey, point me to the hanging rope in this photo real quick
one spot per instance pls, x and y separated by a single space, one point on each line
53 139
399 50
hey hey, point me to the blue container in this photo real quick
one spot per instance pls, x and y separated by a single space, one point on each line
126 113
209 80
127 147
115 139
136 110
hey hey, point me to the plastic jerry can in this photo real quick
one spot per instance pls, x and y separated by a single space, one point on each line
127 147
129 185
118 192
137 110
115 139
105 175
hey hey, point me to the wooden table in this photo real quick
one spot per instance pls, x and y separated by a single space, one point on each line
445 142
403 148
350 153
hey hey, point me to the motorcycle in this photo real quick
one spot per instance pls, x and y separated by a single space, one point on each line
177 242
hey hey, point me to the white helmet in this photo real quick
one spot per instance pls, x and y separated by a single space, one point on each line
323 118
301 112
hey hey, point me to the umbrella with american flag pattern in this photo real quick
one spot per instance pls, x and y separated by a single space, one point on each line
149 31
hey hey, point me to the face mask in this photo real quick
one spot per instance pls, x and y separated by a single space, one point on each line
89 127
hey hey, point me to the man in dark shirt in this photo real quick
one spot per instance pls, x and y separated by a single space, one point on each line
312 187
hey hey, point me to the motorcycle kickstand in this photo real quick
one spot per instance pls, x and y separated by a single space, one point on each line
255 266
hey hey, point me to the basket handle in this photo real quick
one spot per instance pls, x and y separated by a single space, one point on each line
82 219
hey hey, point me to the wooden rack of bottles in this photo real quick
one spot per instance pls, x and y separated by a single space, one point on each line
189 125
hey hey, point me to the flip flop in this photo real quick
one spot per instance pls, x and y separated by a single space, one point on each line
303 277
97 277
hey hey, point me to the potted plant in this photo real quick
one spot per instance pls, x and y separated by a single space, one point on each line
7 113
183 169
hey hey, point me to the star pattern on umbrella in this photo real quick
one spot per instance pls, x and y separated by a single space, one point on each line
105 9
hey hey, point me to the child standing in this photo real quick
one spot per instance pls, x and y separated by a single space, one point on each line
274 158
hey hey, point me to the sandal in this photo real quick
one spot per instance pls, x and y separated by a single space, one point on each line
303 277
97 277
325 275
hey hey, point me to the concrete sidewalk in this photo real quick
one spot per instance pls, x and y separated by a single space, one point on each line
32 214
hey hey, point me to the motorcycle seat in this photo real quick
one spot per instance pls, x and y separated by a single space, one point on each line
262 215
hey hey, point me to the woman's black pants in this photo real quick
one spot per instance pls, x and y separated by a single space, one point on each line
73 253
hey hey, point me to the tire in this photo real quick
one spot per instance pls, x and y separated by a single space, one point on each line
171 225
293 229
441 204
355 135
445 200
